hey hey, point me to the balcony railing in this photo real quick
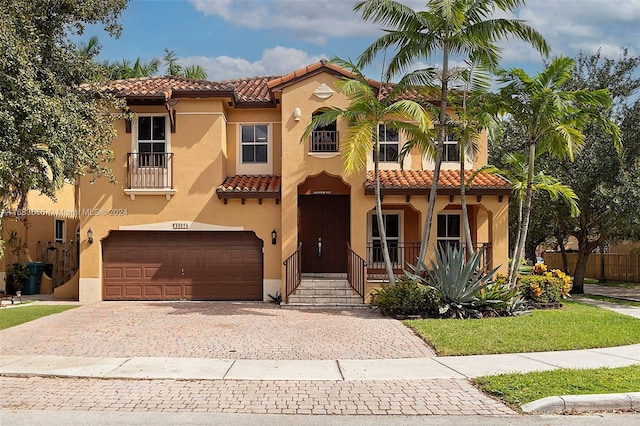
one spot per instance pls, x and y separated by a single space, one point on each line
404 254
150 170
325 141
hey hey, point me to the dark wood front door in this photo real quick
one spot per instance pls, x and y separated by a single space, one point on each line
324 232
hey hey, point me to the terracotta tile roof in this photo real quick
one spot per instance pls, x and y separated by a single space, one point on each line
163 87
254 89
250 186
419 181
312 69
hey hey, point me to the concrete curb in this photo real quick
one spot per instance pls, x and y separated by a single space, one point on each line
583 403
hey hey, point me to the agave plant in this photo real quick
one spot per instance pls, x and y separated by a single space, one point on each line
458 281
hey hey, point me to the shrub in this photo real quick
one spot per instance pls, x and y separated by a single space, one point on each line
500 298
407 297
541 288
458 282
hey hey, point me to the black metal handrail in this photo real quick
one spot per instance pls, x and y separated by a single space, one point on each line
293 271
404 254
325 141
356 267
149 170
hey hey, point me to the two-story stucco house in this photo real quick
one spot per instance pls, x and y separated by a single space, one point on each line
218 199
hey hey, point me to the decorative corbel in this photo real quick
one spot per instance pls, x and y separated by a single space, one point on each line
169 104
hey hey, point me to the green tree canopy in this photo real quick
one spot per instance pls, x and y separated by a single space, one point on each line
50 128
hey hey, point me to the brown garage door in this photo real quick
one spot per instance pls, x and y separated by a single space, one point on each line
177 265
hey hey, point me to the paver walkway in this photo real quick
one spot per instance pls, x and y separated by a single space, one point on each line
413 397
213 330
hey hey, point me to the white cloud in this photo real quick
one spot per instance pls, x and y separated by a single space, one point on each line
309 20
274 61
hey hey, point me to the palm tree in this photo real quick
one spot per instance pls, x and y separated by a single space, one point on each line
175 68
516 169
460 27
125 69
369 108
470 118
552 120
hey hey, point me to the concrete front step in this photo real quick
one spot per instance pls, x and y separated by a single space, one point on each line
324 291
317 300
315 283
323 306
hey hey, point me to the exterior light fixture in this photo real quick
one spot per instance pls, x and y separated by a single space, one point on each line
90 236
274 236
297 114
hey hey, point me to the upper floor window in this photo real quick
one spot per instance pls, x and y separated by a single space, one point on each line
451 152
389 143
325 139
152 140
254 143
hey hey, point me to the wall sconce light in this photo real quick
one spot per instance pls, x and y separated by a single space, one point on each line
274 236
90 236
297 114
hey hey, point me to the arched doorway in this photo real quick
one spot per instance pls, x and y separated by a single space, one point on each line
324 223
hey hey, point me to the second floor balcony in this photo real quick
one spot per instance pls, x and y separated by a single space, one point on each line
149 172
324 141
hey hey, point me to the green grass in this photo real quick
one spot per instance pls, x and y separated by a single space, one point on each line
518 389
611 299
10 317
577 326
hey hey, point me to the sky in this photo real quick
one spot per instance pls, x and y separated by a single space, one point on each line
246 38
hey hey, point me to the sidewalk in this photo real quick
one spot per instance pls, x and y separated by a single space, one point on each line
451 367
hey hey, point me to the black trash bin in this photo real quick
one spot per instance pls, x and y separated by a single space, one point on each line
35 277
48 269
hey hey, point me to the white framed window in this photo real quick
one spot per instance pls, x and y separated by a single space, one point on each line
254 140
449 229
254 148
59 230
451 152
389 144
151 144
393 228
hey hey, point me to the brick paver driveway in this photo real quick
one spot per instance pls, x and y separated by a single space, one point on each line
213 330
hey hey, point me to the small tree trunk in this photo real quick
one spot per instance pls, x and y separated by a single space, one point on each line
578 275
428 220
465 213
603 278
381 226
563 252
527 215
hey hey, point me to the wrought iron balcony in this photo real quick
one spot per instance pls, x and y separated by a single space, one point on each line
325 141
150 170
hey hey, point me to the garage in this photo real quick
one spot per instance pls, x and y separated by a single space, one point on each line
182 265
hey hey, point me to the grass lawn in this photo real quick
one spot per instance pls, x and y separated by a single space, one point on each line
10 317
577 326
518 389
611 300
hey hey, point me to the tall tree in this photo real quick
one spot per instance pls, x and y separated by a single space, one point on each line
607 184
369 108
552 120
453 27
50 130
